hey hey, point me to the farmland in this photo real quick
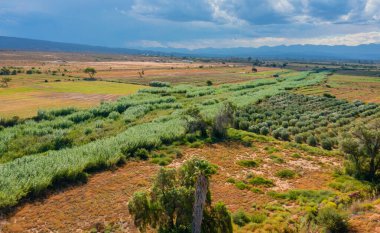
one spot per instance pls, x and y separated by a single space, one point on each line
56 82
277 137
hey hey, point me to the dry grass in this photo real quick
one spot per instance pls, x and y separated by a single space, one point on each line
348 87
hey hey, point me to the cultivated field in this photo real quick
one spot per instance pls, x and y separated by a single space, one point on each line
57 83
287 150
349 87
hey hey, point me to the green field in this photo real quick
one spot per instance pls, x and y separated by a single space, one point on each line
24 98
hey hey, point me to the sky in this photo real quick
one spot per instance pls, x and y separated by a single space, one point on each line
193 24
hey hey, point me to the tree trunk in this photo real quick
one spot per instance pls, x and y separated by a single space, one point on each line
199 203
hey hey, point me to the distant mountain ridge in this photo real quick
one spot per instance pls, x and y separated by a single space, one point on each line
22 44
324 52
341 52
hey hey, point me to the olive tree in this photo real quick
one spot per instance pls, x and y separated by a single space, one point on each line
362 148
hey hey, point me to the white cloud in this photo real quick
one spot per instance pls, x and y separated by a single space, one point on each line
219 13
372 9
349 40
281 6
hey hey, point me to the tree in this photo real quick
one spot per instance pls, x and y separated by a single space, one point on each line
90 71
362 148
5 71
170 206
195 121
223 120
5 81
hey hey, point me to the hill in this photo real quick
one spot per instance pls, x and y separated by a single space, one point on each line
22 44
297 52
312 52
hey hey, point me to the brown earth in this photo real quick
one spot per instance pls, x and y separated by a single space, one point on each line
103 200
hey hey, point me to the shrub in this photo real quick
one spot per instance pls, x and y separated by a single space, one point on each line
286 174
254 129
243 125
258 217
261 181
241 185
62 142
141 153
264 130
333 221
328 95
285 135
114 115
87 131
276 133
248 163
80 116
298 138
209 83
240 218
231 180
159 84
277 159
326 144
311 141
295 155
161 159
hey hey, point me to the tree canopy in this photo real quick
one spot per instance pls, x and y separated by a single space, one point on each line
90 71
168 206
362 147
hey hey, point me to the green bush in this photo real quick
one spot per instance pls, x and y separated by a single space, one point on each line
285 135
298 138
240 218
258 217
327 144
159 84
295 155
248 163
141 153
241 185
328 95
261 181
114 115
331 220
231 180
311 141
264 130
277 159
286 174
161 159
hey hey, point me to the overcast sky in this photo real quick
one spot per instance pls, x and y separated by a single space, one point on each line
193 23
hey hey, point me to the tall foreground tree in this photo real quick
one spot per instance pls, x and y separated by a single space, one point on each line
363 150
180 201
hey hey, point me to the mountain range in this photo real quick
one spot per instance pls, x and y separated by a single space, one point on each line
313 52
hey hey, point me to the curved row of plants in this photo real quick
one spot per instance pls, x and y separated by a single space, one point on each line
315 120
